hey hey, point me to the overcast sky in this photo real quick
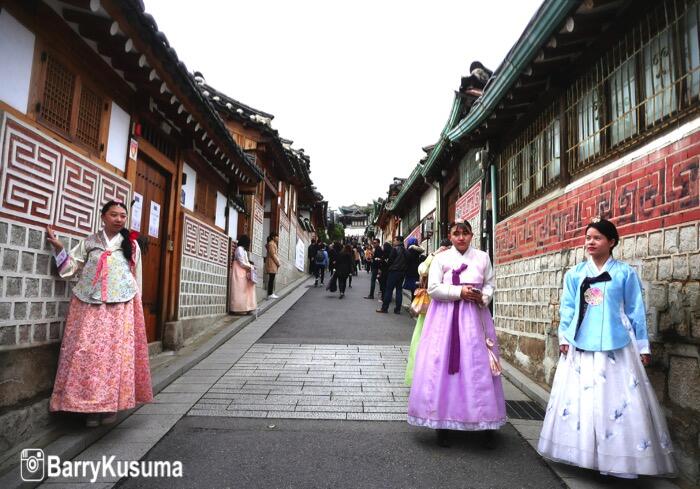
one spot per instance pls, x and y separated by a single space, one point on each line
362 86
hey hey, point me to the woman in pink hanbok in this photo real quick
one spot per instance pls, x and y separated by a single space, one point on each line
454 384
103 365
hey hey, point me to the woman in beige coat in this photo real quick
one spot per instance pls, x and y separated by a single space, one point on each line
272 264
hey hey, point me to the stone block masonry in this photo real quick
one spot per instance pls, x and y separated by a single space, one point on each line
204 270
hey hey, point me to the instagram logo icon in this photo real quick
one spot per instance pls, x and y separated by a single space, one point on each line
32 464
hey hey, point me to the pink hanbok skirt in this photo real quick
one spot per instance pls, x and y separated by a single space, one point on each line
103 365
471 399
242 297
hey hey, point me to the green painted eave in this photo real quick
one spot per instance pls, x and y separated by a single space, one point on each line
437 149
541 27
410 181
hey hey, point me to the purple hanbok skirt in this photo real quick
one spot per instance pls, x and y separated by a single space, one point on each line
470 399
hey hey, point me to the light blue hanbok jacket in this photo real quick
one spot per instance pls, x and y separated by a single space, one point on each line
603 327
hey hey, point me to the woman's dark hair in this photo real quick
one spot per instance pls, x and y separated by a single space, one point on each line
445 242
387 249
348 249
127 245
272 236
607 229
463 225
244 241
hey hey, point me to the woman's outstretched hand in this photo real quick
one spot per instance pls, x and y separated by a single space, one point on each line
564 349
646 359
53 239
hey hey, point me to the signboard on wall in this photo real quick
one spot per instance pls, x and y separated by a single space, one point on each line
258 218
300 258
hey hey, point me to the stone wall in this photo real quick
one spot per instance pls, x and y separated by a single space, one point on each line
654 199
204 270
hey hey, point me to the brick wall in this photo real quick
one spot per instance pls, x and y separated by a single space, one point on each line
654 199
204 270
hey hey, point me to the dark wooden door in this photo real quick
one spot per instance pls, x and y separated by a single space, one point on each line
451 199
153 186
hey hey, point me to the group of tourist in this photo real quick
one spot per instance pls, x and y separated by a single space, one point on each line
602 413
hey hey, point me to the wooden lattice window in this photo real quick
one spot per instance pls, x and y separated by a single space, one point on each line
58 95
68 105
89 118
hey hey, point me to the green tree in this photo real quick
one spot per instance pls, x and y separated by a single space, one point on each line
336 232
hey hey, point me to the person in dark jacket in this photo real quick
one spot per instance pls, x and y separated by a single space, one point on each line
344 265
333 251
313 248
375 265
413 259
384 269
397 272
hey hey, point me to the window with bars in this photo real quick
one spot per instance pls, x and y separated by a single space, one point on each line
644 82
469 170
68 105
531 163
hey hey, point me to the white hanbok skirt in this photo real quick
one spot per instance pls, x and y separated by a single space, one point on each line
603 414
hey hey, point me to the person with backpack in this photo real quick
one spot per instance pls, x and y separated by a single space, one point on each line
320 263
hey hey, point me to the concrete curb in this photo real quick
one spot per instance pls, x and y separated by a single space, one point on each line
529 387
69 445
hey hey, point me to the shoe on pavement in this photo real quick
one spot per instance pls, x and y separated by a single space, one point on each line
397 312
443 438
109 418
369 297
273 296
382 311
341 296
92 420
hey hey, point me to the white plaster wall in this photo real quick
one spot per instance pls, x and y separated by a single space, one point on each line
232 223
220 216
118 141
16 56
428 202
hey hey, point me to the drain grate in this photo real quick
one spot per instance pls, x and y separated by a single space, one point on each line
524 410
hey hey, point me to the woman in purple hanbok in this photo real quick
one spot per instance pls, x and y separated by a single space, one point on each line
454 387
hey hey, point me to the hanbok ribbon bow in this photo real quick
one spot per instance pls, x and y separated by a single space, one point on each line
453 362
585 285
101 273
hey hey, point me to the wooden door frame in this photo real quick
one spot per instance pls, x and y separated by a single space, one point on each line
171 231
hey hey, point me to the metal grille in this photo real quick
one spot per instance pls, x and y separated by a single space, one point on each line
469 170
531 164
524 410
89 118
58 95
641 85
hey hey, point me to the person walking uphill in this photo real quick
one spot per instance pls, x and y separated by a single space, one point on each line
243 279
320 263
413 259
375 264
603 413
103 365
272 264
344 265
396 270
456 378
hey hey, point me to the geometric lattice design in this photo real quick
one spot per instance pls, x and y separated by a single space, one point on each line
89 118
258 219
42 182
58 95
204 242
284 237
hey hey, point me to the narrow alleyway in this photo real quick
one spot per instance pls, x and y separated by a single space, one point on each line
311 395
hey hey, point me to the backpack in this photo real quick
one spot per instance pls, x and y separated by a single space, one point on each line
320 257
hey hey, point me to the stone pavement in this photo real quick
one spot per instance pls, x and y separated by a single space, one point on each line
210 416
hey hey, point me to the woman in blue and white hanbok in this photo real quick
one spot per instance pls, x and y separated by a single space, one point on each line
603 413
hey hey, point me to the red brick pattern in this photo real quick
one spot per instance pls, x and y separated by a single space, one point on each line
468 205
204 242
43 183
657 190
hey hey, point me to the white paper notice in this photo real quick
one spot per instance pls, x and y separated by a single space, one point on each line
154 220
136 211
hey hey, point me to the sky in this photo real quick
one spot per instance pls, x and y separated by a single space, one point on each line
360 85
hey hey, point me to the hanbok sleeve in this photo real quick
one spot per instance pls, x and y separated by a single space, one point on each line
489 283
242 258
438 290
138 273
69 263
635 312
567 308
